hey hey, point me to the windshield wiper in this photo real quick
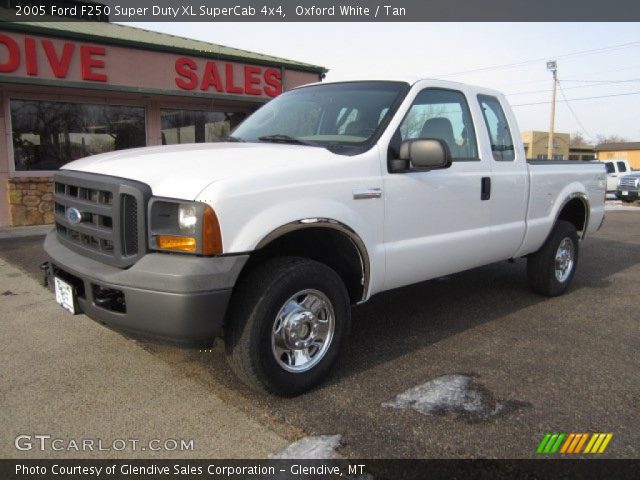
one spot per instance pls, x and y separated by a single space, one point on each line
230 138
281 138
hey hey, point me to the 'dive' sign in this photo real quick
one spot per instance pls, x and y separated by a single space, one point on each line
34 52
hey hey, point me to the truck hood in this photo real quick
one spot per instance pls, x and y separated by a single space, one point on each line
183 171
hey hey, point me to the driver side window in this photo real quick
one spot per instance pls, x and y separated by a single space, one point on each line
443 115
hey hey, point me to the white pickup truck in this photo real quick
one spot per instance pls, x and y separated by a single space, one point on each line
327 195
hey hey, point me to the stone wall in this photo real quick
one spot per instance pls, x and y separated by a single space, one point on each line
30 200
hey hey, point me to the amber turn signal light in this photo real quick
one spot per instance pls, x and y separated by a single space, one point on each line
211 236
173 242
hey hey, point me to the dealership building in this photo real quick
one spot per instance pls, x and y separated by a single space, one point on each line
73 89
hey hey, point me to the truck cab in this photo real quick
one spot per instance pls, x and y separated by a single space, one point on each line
616 169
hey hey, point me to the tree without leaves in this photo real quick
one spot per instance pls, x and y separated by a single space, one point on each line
577 138
600 139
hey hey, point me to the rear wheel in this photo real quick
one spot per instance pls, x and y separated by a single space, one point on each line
551 269
287 324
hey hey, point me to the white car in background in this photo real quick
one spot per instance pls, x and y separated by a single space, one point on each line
616 169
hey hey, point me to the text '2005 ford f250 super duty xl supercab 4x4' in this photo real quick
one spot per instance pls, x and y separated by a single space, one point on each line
325 196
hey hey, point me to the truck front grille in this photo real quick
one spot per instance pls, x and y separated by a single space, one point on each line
101 217
628 182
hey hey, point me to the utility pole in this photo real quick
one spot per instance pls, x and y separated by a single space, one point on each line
552 66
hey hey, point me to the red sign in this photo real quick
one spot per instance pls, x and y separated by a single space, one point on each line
25 56
255 80
92 65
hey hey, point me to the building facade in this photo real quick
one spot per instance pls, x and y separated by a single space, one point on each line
582 152
629 151
536 145
73 89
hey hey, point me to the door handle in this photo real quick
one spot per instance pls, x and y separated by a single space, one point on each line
485 189
365 193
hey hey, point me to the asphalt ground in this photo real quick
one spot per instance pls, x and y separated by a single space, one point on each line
567 364
76 381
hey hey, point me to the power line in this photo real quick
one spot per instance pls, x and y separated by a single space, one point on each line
528 82
579 99
528 62
564 97
596 84
605 81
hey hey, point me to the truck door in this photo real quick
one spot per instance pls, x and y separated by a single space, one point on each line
509 180
436 222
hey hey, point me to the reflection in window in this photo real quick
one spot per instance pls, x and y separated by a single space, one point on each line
443 115
46 135
496 121
194 126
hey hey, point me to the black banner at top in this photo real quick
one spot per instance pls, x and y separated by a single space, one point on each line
323 10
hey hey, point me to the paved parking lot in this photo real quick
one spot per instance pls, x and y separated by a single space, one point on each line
568 364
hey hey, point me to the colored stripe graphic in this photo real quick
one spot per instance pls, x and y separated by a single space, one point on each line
578 437
567 442
581 443
594 437
556 446
573 443
543 443
607 439
550 443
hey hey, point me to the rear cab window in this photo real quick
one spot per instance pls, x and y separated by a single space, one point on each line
501 140
610 168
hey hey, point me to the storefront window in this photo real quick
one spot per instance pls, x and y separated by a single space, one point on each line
194 126
46 135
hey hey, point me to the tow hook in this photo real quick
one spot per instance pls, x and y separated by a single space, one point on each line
46 269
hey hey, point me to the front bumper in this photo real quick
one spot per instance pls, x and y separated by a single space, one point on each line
172 297
628 194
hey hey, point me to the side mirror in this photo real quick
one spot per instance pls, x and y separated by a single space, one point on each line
429 154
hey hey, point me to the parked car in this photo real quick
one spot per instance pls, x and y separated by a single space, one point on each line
327 195
615 170
629 188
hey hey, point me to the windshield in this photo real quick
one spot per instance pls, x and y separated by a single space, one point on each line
338 116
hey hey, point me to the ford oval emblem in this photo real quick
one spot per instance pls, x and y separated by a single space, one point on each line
73 216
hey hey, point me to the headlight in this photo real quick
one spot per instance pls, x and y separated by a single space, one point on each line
190 227
187 218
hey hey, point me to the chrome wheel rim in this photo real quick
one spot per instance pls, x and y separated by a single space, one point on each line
564 259
303 330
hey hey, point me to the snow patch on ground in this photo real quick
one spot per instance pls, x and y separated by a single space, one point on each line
456 393
321 447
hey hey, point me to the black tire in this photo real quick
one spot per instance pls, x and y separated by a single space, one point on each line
541 266
252 316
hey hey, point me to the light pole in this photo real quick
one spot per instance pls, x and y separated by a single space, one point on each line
552 66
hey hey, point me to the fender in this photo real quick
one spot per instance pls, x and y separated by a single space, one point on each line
587 210
539 227
334 225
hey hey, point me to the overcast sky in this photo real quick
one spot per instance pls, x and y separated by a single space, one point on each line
444 50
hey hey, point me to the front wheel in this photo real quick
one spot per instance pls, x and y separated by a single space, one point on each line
287 324
551 269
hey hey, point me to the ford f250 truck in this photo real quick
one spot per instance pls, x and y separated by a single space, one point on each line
325 196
